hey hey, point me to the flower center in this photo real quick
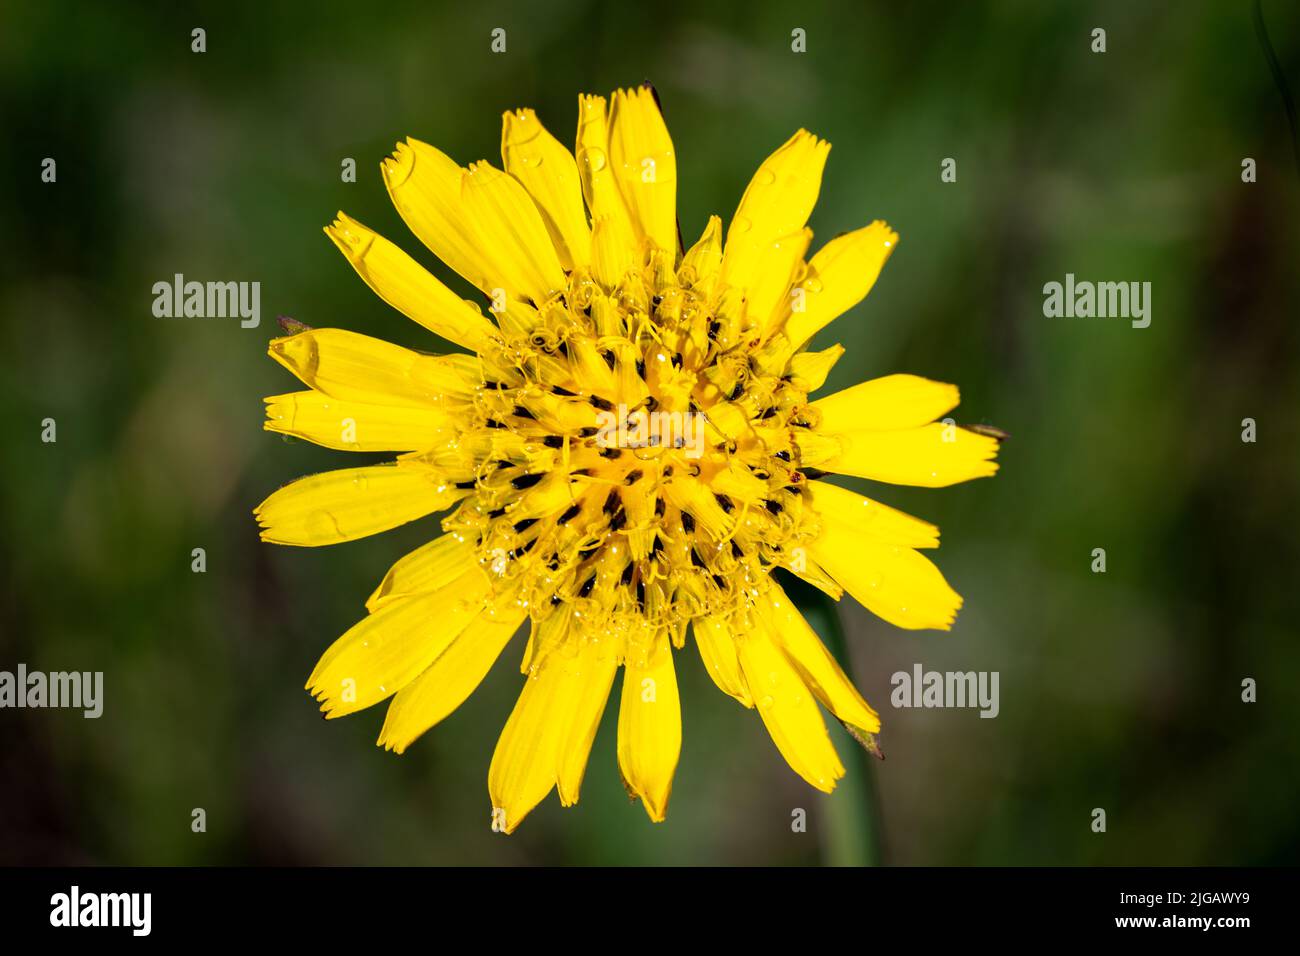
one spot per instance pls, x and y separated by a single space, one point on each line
629 454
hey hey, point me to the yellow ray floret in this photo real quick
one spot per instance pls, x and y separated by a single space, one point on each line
446 683
870 519
894 582
405 285
811 368
776 203
353 503
838 277
358 368
384 652
548 737
650 730
356 426
788 710
507 221
717 647
644 165
817 668
884 429
424 184
599 186
428 568
550 175
895 401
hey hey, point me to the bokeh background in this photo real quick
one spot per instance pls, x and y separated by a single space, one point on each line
1119 690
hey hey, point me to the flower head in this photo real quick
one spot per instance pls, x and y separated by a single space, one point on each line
627 454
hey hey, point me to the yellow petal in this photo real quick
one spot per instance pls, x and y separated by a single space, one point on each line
704 259
355 426
788 710
477 220
612 251
806 568
650 730
408 287
548 171
358 368
895 583
424 185
776 203
591 678
769 291
645 166
599 187
717 648
933 456
870 519
446 683
427 568
813 367
352 503
895 401
508 223
528 751
820 672
839 277
384 652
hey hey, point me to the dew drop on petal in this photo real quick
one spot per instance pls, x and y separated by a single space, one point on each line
594 159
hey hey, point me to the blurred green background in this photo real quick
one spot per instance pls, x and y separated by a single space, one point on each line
1119 690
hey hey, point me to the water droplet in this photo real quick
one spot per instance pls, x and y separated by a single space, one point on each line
765 177
741 225
594 159
813 285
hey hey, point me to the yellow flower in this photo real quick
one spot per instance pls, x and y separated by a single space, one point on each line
630 450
